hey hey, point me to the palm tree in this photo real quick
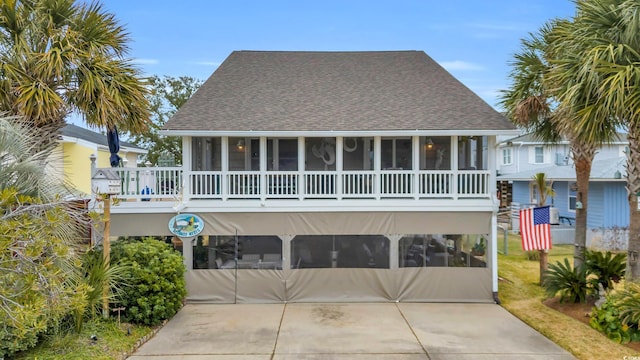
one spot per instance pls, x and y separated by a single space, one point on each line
603 81
22 167
530 103
38 233
57 57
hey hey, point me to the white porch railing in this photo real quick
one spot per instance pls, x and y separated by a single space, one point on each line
149 183
167 184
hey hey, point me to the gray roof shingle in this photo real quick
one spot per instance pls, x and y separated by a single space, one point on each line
74 131
603 169
339 91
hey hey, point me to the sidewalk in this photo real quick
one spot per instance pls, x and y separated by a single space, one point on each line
358 331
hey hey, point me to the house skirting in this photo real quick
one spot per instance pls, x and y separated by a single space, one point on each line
290 283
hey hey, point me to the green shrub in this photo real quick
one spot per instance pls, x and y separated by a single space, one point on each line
607 267
607 319
156 286
628 303
571 283
532 255
90 280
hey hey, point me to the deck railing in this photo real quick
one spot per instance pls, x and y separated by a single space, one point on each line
173 183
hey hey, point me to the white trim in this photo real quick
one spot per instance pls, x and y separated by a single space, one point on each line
344 133
346 206
90 144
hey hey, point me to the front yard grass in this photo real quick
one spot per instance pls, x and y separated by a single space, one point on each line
113 341
520 293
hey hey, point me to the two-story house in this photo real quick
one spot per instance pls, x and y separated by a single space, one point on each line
520 158
330 176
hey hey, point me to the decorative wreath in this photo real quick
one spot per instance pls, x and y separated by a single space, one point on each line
350 148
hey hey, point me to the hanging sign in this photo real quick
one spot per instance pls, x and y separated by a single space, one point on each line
186 225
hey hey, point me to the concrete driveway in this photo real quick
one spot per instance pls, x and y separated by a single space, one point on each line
357 331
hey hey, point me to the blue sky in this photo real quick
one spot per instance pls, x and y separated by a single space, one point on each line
474 40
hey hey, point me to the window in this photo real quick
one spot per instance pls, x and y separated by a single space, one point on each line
443 250
533 194
340 251
254 252
506 156
396 154
573 196
538 155
205 154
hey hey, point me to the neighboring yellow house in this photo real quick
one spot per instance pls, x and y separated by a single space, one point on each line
74 150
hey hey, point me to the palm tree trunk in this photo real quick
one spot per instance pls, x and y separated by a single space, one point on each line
46 133
544 262
583 157
633 189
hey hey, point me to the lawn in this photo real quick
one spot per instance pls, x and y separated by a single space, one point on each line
521 295
113 341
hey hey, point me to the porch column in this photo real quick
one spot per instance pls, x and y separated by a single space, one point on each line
224 166
186 168
492 167
377 154
415 165
394 240
286 250
454 167
301 188
263 168
339 166
187 252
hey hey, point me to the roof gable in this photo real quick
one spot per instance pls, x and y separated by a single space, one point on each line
339 91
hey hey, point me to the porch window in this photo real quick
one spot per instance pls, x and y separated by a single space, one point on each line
320 154
472 153
254 252
357 153
396 154
282 154
435 153
244 154
206 154
340 251
443 250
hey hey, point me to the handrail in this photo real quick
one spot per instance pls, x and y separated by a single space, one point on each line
166 183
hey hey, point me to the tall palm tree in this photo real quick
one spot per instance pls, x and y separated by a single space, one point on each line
603 80
57 56
531 103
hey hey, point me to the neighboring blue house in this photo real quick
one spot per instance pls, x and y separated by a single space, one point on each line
608 216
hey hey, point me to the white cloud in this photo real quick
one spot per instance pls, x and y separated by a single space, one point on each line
460 65
143 61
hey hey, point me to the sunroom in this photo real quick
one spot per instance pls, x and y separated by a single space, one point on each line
264 168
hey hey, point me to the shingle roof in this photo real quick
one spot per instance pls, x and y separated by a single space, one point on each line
74 131
603 169
531 138
340 91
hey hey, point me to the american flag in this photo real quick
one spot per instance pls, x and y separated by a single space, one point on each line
535 228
